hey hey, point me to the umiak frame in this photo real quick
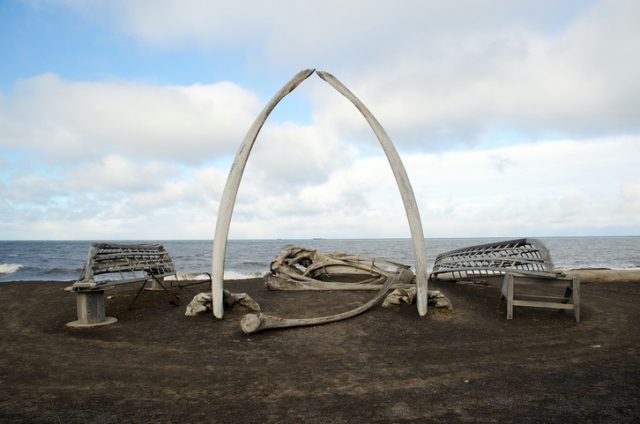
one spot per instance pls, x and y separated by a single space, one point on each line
512 263
227 203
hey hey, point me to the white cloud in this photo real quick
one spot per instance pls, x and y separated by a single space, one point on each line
467 91
433 72
630 198
548 188
114 173
86 120
506 84
554 188
294 155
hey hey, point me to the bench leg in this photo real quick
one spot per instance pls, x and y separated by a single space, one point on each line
575 297
90 306
175 299
155 285
507 292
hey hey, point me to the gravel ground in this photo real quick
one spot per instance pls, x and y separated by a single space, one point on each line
387 365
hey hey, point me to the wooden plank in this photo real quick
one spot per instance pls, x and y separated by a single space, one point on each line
508 281
575 295
521 257
540 298
547 305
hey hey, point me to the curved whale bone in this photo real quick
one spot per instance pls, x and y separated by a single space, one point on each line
252 323
406 192
228 199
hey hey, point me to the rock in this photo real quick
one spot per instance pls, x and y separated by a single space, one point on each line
202 302
408 295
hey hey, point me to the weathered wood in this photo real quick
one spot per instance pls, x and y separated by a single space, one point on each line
524 256
570 301
91 311
123 264
547 305
575 297
252 323
117 264
516 262
539 298
508 294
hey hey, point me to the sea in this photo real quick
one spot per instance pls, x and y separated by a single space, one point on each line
63 260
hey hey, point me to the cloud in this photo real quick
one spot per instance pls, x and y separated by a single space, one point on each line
97 124
121 198
295 155
550 188
630 199
436 74
507 84
556 188
113 173
72 120
512 119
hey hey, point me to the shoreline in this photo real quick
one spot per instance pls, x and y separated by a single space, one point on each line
586 275
64 261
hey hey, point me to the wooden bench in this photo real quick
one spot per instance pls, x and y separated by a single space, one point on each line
512 263
109 265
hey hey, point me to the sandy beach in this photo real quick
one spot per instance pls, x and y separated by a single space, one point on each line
387 365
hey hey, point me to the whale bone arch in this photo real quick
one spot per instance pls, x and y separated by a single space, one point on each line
229 194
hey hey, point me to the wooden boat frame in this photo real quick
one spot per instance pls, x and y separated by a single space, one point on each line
513 264
526 256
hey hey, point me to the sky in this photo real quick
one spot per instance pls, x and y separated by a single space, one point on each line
120 119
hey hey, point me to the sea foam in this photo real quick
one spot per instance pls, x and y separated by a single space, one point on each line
9 268
228 275
234 275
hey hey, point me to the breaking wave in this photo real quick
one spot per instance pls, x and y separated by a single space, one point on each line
9 268
228 275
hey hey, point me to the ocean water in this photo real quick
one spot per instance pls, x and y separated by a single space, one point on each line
63 260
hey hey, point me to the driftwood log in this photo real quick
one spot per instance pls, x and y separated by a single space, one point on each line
232 185
252 323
